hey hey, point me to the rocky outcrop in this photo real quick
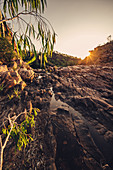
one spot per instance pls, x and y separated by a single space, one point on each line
74 128
16 74
102 55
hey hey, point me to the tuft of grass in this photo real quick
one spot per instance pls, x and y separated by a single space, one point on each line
2 87
10 97
16 93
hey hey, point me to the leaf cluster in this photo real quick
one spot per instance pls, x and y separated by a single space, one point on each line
42 31
12 6
20 130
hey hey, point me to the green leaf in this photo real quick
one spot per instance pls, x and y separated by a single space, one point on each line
31 138
53 37
4 6
48 48
26 29
4 131
20 51
37 36
24 42
7 132
51 49
33 31
39 29
32 60
33 4
29 31
21 39
35 112
45 57
42 2
43 39
27 43
39 6
16 6
18 47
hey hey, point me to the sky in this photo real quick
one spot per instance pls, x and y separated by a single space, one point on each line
81 25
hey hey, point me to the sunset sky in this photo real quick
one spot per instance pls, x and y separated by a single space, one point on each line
81 25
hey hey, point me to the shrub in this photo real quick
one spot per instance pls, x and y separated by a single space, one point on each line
6 50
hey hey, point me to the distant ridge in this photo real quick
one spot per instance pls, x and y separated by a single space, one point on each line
57 59
64 60
101 55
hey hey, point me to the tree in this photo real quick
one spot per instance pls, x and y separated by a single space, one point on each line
20 10
25 13
109 38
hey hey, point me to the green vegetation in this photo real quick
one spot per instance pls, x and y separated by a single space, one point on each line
42 31
1 87
15 94
64 60
6 51
57 59
13 128
20 40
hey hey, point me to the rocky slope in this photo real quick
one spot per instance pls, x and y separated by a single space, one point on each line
102 54
74 128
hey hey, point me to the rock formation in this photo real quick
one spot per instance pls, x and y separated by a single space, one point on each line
74 128
102 55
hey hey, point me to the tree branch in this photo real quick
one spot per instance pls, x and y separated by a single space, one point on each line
10 19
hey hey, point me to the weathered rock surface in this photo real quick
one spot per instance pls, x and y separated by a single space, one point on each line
74 128
16 74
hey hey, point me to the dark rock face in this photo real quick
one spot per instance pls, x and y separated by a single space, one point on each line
74 129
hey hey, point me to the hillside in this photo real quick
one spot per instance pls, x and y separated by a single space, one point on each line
57 59
101 55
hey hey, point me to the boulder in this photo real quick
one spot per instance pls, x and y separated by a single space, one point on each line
26 74
3 68
11 78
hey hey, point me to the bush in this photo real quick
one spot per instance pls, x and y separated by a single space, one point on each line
6 51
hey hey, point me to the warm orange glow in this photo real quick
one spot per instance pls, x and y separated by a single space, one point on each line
89 59
88 54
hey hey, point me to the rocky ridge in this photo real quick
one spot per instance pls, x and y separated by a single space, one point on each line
74 128
101 55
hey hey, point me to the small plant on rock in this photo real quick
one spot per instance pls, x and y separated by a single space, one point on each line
17 130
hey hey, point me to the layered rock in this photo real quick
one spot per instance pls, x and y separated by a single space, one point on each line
74 128
15 74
